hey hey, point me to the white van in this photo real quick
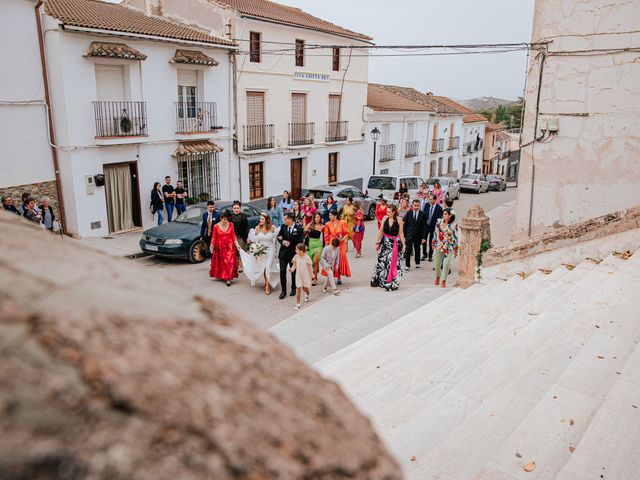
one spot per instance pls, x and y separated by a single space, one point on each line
389 186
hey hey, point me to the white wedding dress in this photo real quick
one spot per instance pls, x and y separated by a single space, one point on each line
254 267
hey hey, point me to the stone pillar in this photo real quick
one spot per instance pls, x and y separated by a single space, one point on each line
474 228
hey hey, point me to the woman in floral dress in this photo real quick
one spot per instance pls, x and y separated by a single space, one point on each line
335 228
358 228
445 245
390 244
224 261
348 212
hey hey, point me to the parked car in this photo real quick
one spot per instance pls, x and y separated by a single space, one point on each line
496 182
181 238
389 185
449 185
340 192
474 182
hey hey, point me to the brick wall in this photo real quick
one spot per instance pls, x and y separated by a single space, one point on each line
37 191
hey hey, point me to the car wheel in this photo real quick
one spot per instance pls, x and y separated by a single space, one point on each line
458 195
197 252
372 212
446 197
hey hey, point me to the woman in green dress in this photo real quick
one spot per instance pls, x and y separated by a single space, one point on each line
314 232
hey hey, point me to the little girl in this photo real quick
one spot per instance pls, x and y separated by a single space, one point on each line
302 265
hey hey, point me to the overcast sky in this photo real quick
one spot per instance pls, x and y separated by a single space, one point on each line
449 22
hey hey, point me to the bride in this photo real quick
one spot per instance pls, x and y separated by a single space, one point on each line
266 265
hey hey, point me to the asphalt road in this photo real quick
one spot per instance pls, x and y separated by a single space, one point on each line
265 311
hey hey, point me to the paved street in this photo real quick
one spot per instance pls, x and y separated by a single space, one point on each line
267 311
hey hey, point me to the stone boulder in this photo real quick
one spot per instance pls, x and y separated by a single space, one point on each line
108 372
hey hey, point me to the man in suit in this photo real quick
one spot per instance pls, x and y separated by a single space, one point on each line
415 224
209 219
289 236
433 212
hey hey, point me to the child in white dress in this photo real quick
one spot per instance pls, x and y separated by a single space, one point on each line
303 266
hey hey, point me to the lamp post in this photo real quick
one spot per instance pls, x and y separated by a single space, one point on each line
375 135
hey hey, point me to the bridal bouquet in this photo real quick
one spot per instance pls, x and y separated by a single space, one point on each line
257 249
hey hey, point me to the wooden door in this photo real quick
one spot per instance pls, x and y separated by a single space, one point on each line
256 180
333 167
296 178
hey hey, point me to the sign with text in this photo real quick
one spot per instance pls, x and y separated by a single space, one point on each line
318 77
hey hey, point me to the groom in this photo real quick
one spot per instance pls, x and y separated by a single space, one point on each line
289 236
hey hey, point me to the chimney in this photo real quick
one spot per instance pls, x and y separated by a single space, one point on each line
154 7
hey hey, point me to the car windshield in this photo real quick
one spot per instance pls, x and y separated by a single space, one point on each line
382 183
193 215
493 177
470 175
319 194
432 181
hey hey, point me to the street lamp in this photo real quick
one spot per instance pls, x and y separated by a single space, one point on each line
375 135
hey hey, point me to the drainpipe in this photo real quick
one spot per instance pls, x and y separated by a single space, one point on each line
47 99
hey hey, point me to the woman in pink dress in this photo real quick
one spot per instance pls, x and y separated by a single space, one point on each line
308 210
224 261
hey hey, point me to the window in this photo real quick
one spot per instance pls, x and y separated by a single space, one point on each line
336 59
384 171
416 168
440 166
200 175
299 53
476 169
333 167
187 97
256 180
110 83
450 165
254 46
255 108
334 107
412 183
411 132
298 107
432 169
464 168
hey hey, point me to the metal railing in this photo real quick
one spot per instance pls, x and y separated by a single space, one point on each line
437 145
387 153
120 119
454 142
467 148
337 131
258 137
196 117
477 145
301 133
411 149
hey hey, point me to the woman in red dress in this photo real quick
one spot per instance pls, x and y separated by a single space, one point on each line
336 228
358 228
381 209
224 261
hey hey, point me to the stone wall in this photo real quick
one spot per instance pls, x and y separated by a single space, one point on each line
102 377
37 191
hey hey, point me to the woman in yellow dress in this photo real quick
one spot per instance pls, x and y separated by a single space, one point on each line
348 215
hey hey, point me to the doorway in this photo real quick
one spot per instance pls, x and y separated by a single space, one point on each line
123 196
296 178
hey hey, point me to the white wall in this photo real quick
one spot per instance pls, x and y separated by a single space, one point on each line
25 155
153 80
471 131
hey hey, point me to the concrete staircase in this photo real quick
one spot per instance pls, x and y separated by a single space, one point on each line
541 371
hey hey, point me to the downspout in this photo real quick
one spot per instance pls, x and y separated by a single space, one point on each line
533 145
47 99
236 147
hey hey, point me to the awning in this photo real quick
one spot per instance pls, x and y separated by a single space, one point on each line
113 50
196 148
193 57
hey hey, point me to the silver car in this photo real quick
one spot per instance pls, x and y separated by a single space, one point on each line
450 186
474 182
340 193
496 182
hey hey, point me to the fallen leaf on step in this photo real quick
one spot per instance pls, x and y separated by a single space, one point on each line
600 357
569 266
518 455
634 406
530 467
597 326
555 396
531 312
571 422
594 260
522 275
623 255
546 271
413 459
572 448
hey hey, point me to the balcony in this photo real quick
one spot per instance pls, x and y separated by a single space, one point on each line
120 119
477 145
337 131
437 145
454 143
196 117
301 134
258 137
411 149
467 148
387 153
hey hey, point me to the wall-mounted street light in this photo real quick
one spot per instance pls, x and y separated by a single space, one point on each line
375 135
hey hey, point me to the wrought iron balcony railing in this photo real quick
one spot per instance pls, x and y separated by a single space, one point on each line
387 153
454 143
301 133
411 149
337 131
437 145
196 117
258 137
120 119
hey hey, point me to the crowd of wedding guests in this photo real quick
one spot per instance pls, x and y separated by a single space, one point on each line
301 243
36 210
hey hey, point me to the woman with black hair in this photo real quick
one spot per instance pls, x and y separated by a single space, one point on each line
390 245
157 202
224 248
445 245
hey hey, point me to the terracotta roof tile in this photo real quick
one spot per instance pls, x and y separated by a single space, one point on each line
113 50
493 126
198 147
193 57
290 15
382 99
469 117
420 101
501 135
118 18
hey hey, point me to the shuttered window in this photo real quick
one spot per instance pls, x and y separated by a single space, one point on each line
110 83
336 59
334 108
299 53
298 108
254 46
255 108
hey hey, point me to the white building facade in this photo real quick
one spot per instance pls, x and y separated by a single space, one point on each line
299 94
131 108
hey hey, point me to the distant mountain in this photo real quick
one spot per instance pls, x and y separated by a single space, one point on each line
482 104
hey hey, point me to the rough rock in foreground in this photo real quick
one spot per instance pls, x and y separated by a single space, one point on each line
105 373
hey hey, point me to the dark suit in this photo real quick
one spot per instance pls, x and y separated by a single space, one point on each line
286 254
415 224
431 225
204 230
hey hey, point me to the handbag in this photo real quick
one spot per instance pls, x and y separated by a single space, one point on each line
358 228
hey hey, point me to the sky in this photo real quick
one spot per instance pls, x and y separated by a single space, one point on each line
441 22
